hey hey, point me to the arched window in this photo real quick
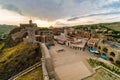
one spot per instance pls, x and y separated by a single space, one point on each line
111 59
112 54
103 54
99 47
103 41
105 50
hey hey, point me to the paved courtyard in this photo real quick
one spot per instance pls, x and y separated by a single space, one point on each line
70 64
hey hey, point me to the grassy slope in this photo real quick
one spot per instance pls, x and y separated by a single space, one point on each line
6 28
12 51
1 44
114 26
33 75
15 59
102 75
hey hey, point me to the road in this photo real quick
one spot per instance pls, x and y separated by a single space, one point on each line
70 64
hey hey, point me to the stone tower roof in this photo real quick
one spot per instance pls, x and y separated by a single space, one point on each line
28 25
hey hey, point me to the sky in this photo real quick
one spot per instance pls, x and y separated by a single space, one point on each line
59 13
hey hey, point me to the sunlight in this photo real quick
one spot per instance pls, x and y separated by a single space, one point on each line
41 23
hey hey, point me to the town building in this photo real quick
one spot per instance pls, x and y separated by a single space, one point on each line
110 49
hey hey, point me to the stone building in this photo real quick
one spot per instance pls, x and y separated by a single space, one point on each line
110 49
30 30
33 34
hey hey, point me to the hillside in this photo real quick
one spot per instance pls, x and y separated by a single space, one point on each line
36 74
6 28
15 59
2 44
114 26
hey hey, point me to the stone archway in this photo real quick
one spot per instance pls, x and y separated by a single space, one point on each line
25 34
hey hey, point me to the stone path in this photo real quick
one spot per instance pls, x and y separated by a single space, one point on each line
70 64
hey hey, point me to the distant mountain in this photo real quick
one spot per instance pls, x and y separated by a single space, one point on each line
5 29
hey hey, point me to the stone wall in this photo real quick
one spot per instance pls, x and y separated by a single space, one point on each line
110 49
47 62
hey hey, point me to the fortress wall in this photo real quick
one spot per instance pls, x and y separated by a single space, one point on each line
47 61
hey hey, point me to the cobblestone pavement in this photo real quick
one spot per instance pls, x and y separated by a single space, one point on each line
70 64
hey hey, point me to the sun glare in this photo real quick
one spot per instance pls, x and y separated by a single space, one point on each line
41 23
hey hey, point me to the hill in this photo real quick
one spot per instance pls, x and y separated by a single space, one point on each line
15 54
15 59
5 29
115 26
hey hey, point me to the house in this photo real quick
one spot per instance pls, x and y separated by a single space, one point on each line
92 42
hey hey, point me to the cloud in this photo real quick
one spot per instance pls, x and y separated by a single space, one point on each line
115 5
69 10
102 14
11 18
73 18
52 9
12 8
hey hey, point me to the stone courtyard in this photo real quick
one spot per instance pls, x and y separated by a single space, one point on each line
70 64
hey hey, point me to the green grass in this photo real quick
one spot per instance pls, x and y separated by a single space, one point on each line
33 75
114 26
15 59
6 53
1 44
94 63
5 29
102 74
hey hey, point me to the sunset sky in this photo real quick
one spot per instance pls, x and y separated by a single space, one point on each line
59 12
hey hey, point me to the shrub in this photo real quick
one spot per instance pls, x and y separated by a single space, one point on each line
118 62
95 63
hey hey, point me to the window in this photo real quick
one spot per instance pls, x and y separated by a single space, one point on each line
112 54
103 54
105 50
111 59
99 47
